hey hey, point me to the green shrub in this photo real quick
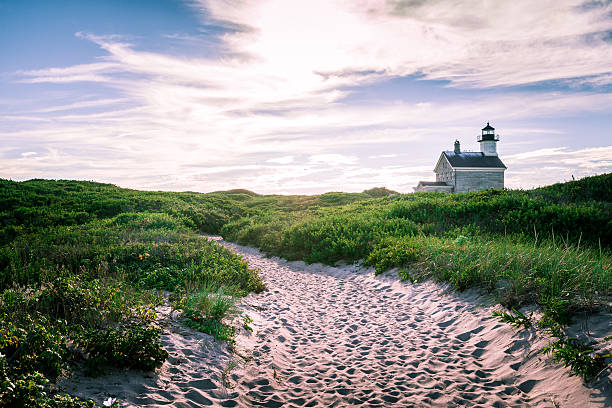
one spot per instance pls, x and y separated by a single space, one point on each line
133 346
391 252
35 345
80 266
29 390
209 325
576 355
517 318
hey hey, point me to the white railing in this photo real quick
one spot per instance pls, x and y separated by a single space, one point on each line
495 137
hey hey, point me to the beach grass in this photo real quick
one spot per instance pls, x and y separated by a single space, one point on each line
522 246
82 268
83 265
549 246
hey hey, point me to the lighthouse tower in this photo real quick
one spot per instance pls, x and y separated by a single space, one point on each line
461 172
488 141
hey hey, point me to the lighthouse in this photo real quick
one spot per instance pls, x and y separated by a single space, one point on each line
461 172
488 141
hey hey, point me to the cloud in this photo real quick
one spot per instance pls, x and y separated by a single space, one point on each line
82 105
76 73
534 168
471 43
332 159
587 157
382 156
277 94
552 151
282 160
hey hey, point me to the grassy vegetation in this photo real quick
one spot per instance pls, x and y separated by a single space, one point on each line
205 306
548 246
526 246
82 267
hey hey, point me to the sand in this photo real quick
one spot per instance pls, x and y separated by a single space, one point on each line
326 336
191 377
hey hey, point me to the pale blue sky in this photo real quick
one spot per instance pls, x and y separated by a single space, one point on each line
282 96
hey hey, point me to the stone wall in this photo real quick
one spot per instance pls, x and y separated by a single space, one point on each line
478 180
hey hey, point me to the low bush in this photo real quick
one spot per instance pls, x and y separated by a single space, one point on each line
29 390
81 267
133 346
206 307
35 346
209 325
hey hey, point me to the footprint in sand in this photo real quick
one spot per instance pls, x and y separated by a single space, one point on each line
334 337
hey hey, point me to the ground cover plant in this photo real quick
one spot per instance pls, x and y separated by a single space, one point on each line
530 245
82 268
551 244
82 264
206 306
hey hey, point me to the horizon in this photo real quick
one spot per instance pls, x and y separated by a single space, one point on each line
265 194
281 98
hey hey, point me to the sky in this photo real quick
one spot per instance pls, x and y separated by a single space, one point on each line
301 97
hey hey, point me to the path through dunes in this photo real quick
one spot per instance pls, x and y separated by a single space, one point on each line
341 337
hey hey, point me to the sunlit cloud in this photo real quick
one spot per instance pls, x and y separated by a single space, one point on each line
281 160
470 43
332 159
382 156
567 164
272 109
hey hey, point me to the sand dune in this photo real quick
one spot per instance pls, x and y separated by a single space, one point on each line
339 337
191 377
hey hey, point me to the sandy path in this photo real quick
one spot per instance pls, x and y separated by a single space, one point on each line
192 376
341 337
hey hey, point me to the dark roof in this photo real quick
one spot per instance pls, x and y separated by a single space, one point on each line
488 127
433 183
473 159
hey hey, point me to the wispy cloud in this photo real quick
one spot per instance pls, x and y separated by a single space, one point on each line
469 43
332 159
82 105
282 160
552 151
272 108
77 73
534 168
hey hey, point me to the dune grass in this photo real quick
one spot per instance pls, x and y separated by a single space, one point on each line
207 306
516 270
83 265
82 268
549 246
537 244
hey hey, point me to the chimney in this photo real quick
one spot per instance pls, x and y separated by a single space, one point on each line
457 147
